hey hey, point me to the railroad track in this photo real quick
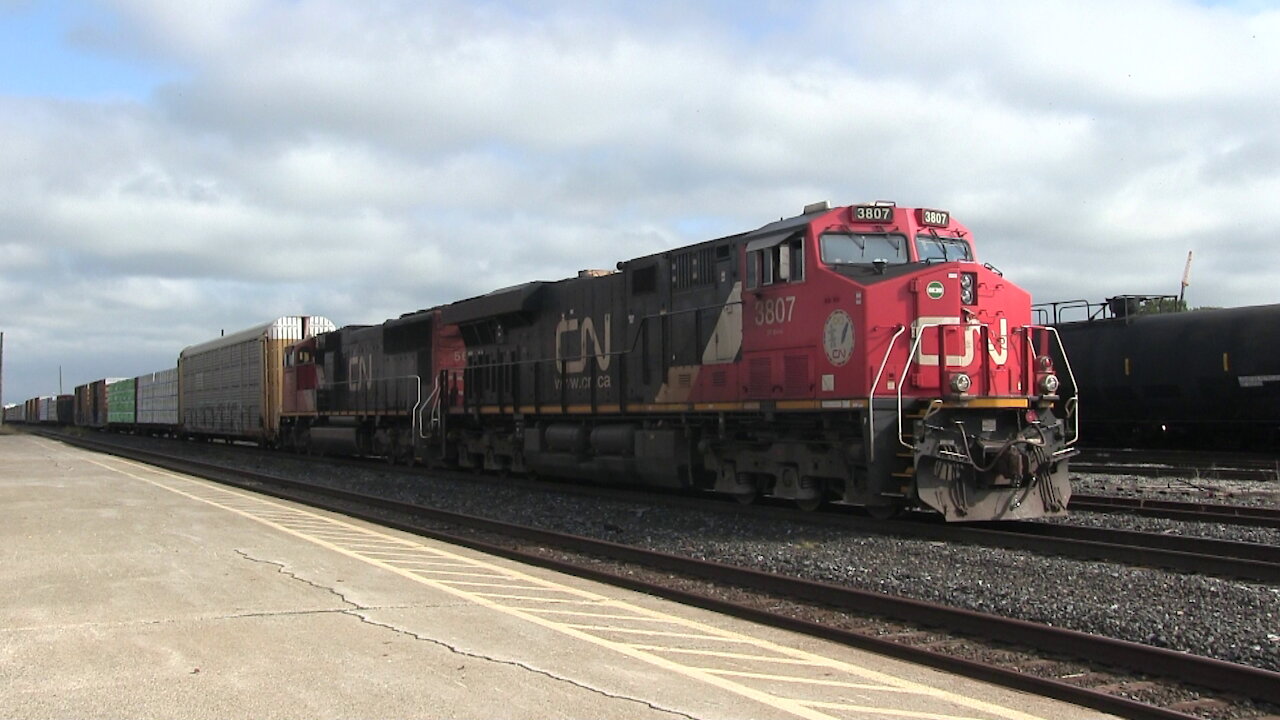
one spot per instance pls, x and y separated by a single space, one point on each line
1190 554
1178 463
1179 510
1235 685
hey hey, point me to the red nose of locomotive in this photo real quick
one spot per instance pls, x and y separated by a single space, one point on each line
963 327
959 379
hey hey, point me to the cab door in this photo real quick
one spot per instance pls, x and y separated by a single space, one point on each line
777 357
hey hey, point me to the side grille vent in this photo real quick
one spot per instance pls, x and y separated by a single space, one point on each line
759 377
796 371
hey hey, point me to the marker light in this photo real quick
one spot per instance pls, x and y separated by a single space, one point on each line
961 383
1049 384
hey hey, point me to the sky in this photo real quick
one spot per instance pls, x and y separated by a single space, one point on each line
170 170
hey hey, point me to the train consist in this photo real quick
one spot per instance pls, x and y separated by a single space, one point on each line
1208 377
227 388
856 354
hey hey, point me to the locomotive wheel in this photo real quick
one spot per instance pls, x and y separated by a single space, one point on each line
746 498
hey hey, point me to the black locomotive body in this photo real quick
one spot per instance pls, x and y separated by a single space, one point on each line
584 372
355 390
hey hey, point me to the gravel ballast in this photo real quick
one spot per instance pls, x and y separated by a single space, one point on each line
1227 619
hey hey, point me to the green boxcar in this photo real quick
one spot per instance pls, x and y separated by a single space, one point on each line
122 402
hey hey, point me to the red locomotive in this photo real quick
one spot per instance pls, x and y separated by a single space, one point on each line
856 354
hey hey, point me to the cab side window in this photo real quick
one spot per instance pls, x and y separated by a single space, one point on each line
781 263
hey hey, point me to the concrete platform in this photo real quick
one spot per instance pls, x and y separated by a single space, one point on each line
128 591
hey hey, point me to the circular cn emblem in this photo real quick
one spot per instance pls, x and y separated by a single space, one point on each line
934 290
837 337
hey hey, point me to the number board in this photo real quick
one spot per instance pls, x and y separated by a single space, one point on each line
873 213
934 218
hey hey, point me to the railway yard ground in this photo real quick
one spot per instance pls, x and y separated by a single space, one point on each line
132 591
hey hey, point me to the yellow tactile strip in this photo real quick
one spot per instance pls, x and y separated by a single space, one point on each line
793 681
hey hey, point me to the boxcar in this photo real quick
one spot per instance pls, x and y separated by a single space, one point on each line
91 403
122 403
47 410
15 413
158 401
66 409
231 387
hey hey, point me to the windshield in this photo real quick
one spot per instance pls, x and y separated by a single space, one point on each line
929 248
863 248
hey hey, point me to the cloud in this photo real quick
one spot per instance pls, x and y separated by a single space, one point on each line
364 160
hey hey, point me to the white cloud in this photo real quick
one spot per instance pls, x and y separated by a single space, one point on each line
366 159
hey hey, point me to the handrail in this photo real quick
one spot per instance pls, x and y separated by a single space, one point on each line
1072 404
915 347
431 400
871 398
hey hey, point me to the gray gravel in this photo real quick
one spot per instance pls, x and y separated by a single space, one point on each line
1226 492
1227 619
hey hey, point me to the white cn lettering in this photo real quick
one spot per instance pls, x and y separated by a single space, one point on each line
928 359
588 334
1000 348
358 371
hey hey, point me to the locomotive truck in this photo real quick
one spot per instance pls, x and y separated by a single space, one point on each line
856 354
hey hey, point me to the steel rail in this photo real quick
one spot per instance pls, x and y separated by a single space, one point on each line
1178 510
1152 462
1161 470
1233 678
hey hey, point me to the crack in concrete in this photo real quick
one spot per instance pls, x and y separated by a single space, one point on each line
514 663
284 570
355 610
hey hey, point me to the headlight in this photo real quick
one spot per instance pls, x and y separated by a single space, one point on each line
968 288
1049 384
961 383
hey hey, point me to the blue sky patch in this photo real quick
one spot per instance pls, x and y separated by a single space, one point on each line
41 57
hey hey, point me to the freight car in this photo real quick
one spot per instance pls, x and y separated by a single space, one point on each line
856 354
15 413
157 402
92 403
1208 377
230 388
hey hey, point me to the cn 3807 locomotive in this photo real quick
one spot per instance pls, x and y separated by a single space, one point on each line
855 354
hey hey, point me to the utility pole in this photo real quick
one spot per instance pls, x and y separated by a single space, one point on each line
1186 279
1 377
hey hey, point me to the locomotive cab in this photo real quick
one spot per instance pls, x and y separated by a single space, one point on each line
959 383
299 385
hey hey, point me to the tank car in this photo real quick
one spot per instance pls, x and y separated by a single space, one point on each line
1203 377
857 354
